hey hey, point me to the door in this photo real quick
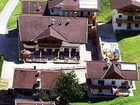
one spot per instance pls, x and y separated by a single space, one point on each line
129 26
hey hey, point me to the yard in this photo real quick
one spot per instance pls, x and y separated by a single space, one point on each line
2 4
105 14
129 44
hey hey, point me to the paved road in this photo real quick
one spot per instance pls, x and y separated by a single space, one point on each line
5 15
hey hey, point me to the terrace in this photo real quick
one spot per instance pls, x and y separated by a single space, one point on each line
62 55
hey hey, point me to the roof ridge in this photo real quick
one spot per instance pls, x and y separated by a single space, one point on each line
60 34
114 70
39 34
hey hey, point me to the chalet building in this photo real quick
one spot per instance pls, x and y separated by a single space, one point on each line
126 15
27 81
112 79
54 38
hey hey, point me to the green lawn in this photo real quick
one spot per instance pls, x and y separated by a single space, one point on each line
12 23
129 45
2 4
1 62
105 14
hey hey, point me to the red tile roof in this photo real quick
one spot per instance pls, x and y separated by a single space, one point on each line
74 30
26 78
100 70
33 7
113 73
117 4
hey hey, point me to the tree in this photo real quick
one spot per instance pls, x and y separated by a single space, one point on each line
40 95
68 89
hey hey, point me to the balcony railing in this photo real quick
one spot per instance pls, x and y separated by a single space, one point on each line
118 20
117 91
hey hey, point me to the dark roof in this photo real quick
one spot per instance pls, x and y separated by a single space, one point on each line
26 78
70 5
73 30
32 102
117 4
50 31
33 7
101 70
114 71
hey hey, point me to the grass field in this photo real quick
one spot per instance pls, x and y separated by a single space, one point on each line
105 14
2 4
129 44
12 23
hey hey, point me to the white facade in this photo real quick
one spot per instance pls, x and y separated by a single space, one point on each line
123 25
109 91
108 82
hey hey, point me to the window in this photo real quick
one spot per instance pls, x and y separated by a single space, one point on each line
119 24
101 82
88 13
136 25
100 90
52 10
120 16
137 17
113 83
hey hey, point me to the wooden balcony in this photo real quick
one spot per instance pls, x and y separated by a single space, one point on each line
127 21
116 91
51 45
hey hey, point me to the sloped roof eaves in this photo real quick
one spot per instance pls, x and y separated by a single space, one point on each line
111 70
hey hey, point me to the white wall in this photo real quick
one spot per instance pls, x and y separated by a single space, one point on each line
115 15
108 82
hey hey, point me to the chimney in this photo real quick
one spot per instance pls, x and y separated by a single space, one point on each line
75 14
66 14
68 22
53 21
38 83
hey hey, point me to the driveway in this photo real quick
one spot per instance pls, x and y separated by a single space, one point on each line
5 15
108 39
9 46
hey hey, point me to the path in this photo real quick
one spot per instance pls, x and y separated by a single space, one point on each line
5 15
